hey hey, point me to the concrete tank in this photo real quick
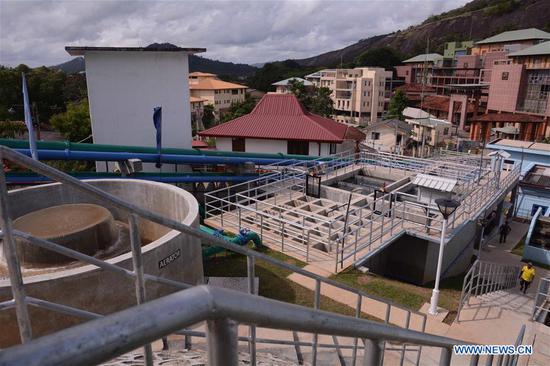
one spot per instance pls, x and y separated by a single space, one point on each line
166 253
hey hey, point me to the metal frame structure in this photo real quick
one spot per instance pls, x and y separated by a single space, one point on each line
106 337
485 277
278 207
21 301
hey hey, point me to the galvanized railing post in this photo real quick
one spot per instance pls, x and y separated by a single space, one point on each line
373 353
445 358
356 340
14 268
316 305
137 261
222 342
251 290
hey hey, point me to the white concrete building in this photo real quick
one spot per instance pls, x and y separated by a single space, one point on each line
388 136
279 124
360 95
126 83
430 131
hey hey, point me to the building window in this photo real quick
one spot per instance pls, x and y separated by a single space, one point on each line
446 131
235 91
375 135
465 65
237 144
505 75
332 149
298 147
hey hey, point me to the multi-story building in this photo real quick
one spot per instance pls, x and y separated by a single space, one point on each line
454 49
360 95
519 91
221 94
463 82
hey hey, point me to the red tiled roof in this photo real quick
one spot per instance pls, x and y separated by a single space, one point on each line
281 117
198 144
416 88
507 117
441 103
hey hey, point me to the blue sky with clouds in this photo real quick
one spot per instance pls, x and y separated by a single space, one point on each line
36 32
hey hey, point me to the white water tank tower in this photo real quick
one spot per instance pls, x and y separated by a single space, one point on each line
126 83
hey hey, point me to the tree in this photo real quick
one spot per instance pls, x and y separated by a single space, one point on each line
239 109
398 103
298 88
321 103
379 57
75 123
208 117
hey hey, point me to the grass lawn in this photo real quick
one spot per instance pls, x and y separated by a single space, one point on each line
273 280
405 294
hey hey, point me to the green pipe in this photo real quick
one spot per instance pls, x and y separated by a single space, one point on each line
76 146
250 236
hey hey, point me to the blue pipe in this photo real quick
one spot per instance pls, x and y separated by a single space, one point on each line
148 158
14 179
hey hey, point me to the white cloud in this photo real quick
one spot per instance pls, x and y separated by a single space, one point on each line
36 32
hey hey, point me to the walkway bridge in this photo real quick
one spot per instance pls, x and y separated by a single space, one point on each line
333 234
398 338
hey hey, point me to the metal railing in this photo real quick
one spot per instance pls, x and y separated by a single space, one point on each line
103 339
394 314
541 306
278 208
485 277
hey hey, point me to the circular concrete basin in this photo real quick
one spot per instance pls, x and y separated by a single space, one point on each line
87 228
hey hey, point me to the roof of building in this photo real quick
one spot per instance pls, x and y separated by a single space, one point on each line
507 117
425 57
516 35
81 50
416 88
198 144
435 182
538 49
518 144
282 117
285 82
214 84
411 112
193 99
538 175
391 123
441 103
315 74
203 74
430 122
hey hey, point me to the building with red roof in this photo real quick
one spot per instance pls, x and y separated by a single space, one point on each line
280 124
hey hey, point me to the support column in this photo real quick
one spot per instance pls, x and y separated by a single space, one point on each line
222 343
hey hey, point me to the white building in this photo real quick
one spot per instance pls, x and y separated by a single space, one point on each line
388 136
360 95
283 86
430 131
279 124
126 83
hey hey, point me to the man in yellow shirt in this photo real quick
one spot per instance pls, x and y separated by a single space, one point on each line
526 277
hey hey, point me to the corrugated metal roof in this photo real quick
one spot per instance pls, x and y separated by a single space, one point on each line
425 57
435 182
281 117
517 35
213 84
539 49
286 81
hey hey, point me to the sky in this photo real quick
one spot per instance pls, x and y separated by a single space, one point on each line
36 32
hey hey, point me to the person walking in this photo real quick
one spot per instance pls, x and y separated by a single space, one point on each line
526 277
504 231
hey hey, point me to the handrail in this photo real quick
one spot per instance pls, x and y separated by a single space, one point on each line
485 277
105 338
21 302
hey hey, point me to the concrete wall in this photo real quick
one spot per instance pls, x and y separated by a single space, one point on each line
279 146
266 146
504 94
95 290
123 89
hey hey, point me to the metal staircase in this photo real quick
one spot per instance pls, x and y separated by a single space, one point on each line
105 337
